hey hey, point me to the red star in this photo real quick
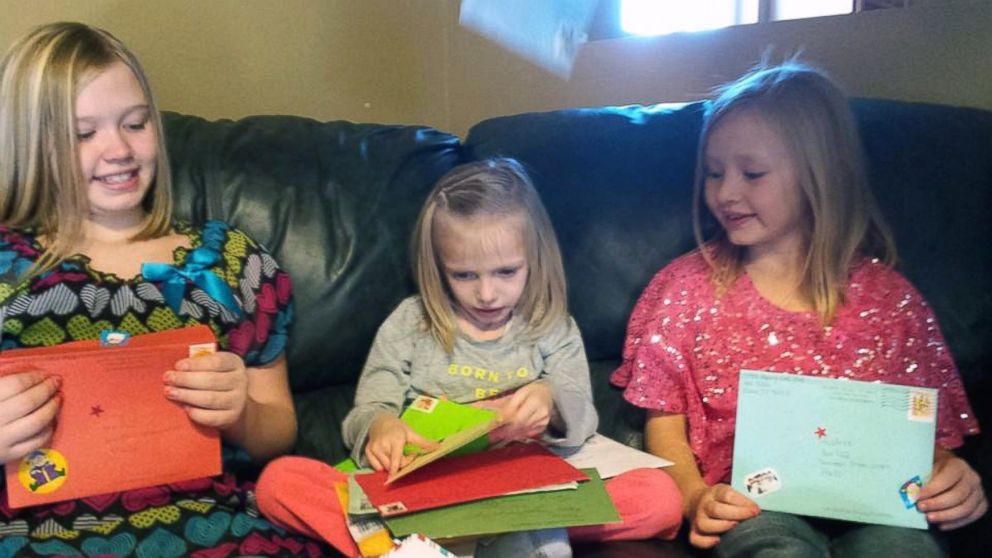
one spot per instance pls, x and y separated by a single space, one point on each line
821 432
96 410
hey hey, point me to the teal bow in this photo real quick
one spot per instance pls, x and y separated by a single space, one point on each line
196 271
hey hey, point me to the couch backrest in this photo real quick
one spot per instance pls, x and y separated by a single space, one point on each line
334 202
618 182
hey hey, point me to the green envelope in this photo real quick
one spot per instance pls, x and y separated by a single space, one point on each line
437 419
589 504
835 448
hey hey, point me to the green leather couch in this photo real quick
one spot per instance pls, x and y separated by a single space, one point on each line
336 201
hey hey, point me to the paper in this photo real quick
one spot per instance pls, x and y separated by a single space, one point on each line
465 478
589 504
609 457
115 430
460 429
840 449
547 33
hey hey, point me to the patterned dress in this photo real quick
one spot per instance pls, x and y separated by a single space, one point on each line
222 279
685 347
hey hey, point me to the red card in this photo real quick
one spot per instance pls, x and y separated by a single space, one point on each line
467 478
115 430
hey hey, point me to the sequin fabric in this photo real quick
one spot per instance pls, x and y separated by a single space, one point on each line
685 347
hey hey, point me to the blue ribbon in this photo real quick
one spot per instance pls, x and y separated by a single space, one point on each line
196 271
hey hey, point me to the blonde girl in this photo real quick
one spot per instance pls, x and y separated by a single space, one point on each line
796 279
492 302
88 243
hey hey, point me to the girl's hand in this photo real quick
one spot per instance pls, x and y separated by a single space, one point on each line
716 510
213 388
387 436
523 414
954 496
28 405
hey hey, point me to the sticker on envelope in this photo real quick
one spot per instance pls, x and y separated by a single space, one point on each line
910 491
922 407
762 482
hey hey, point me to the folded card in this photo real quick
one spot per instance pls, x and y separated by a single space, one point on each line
835 448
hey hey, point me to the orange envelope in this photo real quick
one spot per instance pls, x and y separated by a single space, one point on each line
115 430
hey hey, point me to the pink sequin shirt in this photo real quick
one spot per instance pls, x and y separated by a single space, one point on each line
685 348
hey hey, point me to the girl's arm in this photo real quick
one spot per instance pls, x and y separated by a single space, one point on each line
711 510
267 427
569 389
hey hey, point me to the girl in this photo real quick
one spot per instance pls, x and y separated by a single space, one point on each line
87 242
790 284
492 300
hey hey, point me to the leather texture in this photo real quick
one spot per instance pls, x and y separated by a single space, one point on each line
335 202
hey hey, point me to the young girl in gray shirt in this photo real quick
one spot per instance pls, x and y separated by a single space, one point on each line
490 327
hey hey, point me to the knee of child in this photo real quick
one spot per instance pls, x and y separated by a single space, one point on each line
280 476
649 498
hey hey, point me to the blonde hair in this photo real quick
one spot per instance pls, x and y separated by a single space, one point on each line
41 183
495 187
815 121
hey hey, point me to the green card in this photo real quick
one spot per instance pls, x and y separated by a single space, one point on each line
589 504
437 419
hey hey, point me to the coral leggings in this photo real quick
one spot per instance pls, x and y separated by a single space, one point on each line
297 493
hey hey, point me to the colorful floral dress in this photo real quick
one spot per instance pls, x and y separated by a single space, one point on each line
222 279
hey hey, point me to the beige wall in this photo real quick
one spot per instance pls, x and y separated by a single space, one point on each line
407 61
360 60
940 54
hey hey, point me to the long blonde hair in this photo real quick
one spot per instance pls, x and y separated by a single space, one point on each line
815 121
496 187
41 183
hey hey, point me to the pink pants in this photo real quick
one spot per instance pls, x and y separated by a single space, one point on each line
297 493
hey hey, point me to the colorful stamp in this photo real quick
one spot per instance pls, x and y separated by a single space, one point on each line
762 482
200 349
43 471
424 404
392 509
922 407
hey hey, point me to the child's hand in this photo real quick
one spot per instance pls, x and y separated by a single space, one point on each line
954 496
524 414
28 405
213 388
387 436
716 510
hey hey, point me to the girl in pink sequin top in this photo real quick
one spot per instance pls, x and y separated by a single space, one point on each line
798 279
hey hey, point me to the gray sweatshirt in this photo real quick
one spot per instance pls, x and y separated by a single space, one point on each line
406 361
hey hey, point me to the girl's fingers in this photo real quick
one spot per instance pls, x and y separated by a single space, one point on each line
34 423
31 398
729 512
210 400
960 510
26 446
213 380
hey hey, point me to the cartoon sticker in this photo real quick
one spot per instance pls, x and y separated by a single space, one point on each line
762 482
910 491
114 338
424 404
43 471
922 407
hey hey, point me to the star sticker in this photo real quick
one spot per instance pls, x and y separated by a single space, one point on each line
821 432
96 410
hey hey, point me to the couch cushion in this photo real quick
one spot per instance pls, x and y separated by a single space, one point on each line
335 203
